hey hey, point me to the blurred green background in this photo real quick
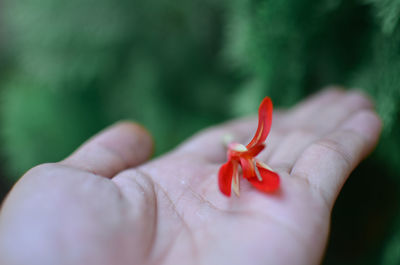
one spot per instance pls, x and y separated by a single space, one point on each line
70 68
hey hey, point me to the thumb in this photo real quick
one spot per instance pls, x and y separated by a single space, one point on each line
121 146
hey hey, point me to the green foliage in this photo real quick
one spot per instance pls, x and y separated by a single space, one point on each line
387 13
294 47
77 66
41 125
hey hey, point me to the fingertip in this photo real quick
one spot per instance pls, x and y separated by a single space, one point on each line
141 133
122 145
359 98
365 123
130 140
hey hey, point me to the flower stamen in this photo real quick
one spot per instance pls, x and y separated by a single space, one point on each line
235 184
257 171
265 166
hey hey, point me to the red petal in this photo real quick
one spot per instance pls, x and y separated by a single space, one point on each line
255 150
270 180
225 178
264 122
247 167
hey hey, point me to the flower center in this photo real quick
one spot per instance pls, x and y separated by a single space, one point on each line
237 147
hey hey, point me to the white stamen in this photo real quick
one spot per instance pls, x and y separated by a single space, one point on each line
235 180
238 147
235 185
265 166
257 172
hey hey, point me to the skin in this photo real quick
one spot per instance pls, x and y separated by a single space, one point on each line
106 204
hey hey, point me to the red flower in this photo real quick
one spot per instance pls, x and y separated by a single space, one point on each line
257 173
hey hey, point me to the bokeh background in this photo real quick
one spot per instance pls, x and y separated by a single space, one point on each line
70 68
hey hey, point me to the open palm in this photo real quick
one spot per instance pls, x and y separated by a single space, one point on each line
104 205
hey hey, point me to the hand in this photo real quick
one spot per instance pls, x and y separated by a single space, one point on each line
102 205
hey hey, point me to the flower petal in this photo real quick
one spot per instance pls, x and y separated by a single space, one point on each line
247 167
270 180
264 122
225 178
255 150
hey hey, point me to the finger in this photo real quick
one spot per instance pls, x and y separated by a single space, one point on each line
335 112
119 147
327 163
326 110
306 109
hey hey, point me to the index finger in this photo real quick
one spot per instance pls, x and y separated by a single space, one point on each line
327 163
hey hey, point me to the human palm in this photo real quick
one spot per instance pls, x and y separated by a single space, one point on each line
105 205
